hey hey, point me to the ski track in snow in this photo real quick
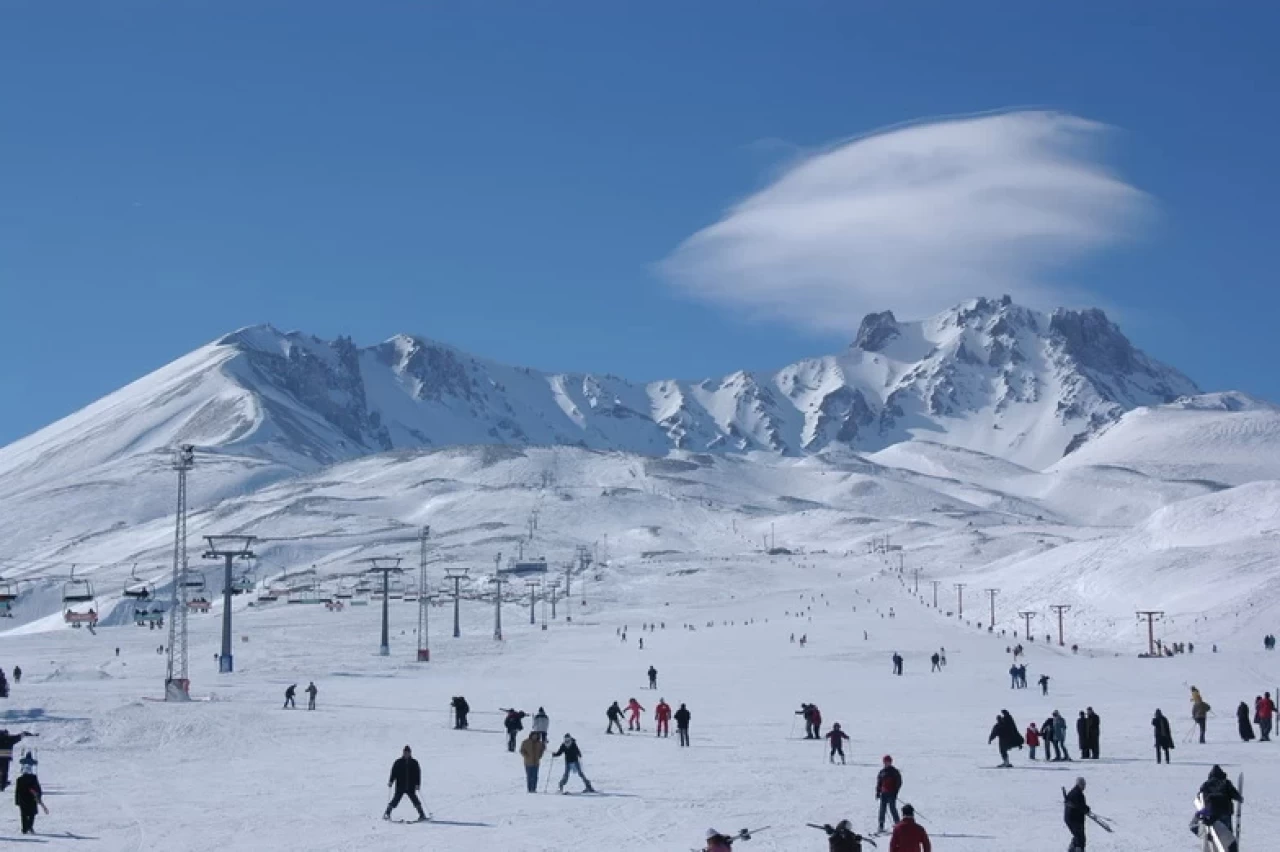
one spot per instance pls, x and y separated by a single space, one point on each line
238 772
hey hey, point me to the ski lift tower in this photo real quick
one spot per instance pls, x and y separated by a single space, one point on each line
386 566
457 575
176 683
228 548
424 598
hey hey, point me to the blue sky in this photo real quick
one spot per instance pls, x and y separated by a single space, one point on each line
510 177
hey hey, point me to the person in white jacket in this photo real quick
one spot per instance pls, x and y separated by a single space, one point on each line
541 724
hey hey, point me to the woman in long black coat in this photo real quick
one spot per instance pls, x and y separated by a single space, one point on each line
1246 724
1164 736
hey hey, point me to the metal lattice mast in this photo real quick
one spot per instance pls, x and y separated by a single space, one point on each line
176 682
424 598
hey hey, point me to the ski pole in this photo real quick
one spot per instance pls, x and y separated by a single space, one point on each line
550 771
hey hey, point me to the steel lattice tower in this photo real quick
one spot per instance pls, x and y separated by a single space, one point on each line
176 682
424 598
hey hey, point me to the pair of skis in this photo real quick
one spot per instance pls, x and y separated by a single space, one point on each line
862 838
744 834
1102 822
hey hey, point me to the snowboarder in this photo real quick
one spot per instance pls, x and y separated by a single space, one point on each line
531 751
288 696
662 714
1265 708
1199 711
888 783
28 796
908 835
541 725
311 695
572 763
460 710
653 678
514 723
1092 731
1164 736
682 724
406 778
836 738
633 715
842 838
1044 684
1032 738
1074 811
1217 798
7 742
1242 721
615 718
1005 732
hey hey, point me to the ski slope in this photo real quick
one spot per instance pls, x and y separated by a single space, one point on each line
235 771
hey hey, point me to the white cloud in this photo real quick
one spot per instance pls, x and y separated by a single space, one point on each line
915 219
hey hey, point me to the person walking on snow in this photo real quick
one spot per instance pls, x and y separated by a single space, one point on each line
1164 736
934 661
897 663
682 725
1092 731
1199 711
406 778
460 710
288 696
311 695
514 723
615 718
1242 721
836 738
653 678
1266 711
1082 736
888 783
531 751
1032 738
541 725
572 763
1060 736
1074 811
908 835
1044 684
17 672
633 715
1013 676
1218 797
662 714
28 796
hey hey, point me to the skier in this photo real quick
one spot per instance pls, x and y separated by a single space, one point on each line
1217 798
842 838
1060 736
514 723
1032 738
288 697
1242 720
633 715
311 695
406 777
460 710
1265 707
682 724
1093 731
1005 731
934 662
1074 811
806 711
888 783
1050 740
897 663
836 738
615 718
908 835
531 751
28 796
653 678
1022 676
662 713
1164 736
815 719
541 725
572 763
17 671
7 742
1199 711
1044 684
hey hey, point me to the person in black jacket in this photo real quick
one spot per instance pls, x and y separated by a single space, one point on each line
28 796
289 692
1006 732
615 718
460 710
682 724
572 763
514 723
1243 722
1164 736
7 742
1219 796
842 838
888 783
653 678
1093 732
1082 736
1075 809
406 777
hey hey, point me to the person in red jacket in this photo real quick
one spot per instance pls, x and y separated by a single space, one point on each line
836 738
1033 739
815 719
1264 713
633 720
663 714
908 835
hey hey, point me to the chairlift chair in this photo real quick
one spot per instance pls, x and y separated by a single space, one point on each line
8 594
77 591
195 582
137 588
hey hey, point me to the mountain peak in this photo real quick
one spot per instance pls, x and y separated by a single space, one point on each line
876 330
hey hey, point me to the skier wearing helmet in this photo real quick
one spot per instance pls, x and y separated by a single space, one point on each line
888 783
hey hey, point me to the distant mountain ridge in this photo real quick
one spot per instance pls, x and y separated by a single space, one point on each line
987 375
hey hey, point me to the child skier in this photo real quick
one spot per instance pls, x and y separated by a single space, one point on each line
836 738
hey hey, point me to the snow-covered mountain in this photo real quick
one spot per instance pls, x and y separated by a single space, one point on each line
987 375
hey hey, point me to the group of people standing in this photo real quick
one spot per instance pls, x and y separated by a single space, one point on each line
1263 714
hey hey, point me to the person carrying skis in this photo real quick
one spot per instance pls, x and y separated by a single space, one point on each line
514 723
633 715
1044 684
541 725
1005 732
406 778
572 763
1074 811
836 738
311 695
460 710
909 835
531 751
1199 711
615 718
717 842
888 783
288 696
1217 801
1164 736
842 838
653 678
662 714
1265 708
7 742
682 724
28 796
1032 738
